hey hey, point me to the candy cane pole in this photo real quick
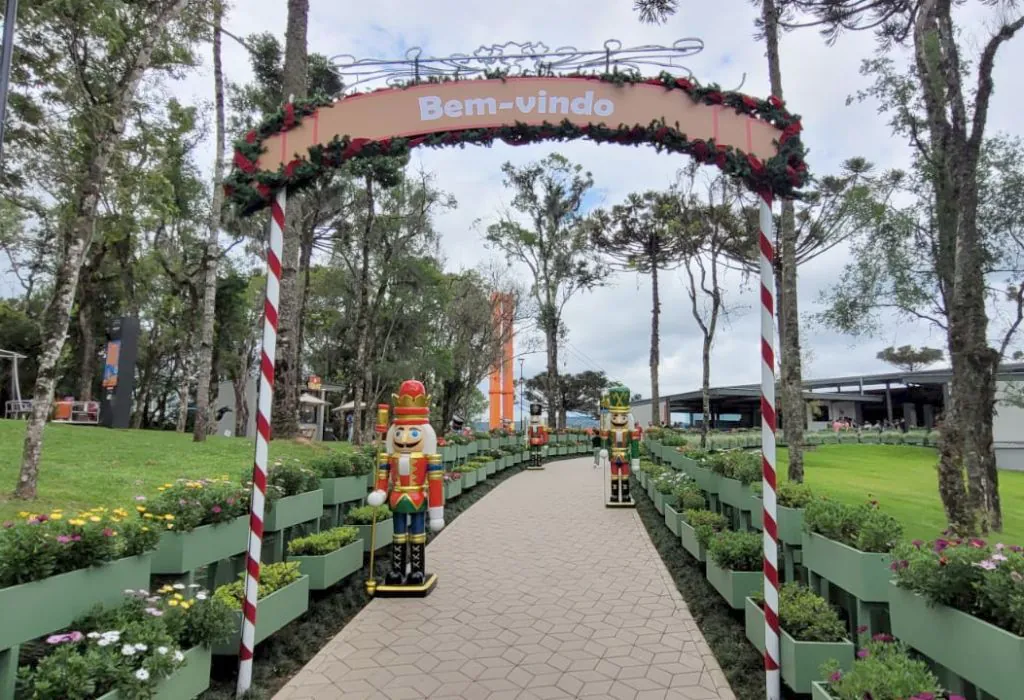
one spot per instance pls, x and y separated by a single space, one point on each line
264 403
771 547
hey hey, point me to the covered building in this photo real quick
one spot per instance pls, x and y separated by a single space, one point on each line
916 397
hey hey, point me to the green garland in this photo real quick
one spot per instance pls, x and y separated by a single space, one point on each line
250 189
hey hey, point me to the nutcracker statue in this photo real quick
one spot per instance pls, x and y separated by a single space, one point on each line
623 445
537 434
410 477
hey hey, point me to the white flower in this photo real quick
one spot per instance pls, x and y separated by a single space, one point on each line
93 635
193 585
179 586
142 674
178 656
103 641
128 650
162 651
141 647
129 591
200 596
112 635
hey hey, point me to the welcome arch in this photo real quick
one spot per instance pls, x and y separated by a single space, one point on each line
755 141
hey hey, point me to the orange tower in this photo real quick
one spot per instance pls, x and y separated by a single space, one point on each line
502 381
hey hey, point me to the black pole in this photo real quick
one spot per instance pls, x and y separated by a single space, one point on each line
10 15
522 386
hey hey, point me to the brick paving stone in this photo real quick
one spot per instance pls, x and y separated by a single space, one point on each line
543 593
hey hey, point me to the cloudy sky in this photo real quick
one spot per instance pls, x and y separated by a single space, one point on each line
609 328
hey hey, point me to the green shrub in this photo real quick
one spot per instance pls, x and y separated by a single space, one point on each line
883 670
690 499
806 616
290 478
341 463
864 527
363 515
737 551
669 480
788 494
273 577
321 543
705 524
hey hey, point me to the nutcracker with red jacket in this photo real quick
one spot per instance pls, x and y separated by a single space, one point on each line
623 445
410 478
537 435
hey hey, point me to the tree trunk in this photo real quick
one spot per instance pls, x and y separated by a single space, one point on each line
238 383
552 392
705 389
362 318
183 392
212 256
655 347
77 235
791 380
87 369
288 361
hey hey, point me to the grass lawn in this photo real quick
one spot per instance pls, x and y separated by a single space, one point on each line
904 481
85 466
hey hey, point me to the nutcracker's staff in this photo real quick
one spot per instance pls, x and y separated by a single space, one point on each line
379 430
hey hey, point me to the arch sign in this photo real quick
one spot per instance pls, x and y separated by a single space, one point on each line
756 141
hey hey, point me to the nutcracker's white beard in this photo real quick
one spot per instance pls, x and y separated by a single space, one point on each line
428 446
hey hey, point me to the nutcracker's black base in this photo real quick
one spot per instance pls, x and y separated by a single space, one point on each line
619 504
421 590
535 468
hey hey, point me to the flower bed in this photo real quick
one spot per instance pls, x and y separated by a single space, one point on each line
452 485
343 475
812 635
791 499
883 669
150 645
958 602
181 552
327 557
283 595
293 496
736 471
696 529
362 519
849 546
734 566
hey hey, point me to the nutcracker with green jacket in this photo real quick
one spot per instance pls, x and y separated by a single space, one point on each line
622 443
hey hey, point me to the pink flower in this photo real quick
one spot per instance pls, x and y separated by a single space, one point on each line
63 539
976 543
1000 546
154 612
987 565
76 538
835 677
862 629
940 545
230 500
863 654
43 517
64 638
882 637
957 697
917 543
107 532
216 509
998 557
140 499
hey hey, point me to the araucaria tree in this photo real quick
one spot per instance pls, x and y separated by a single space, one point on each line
80 66
638 236
548 237
909 358
942 108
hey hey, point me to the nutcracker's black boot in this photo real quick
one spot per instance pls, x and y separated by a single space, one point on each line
615 489
625 490
398 559
417 557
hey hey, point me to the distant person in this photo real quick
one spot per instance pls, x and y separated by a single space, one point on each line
595 442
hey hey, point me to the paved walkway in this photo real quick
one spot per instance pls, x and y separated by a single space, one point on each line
542 593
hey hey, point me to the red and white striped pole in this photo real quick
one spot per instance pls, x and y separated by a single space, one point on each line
768 422
264 404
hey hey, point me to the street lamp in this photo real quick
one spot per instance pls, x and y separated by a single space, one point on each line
522 388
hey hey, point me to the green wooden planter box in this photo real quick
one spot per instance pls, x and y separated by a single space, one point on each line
186 683
30 610
706 479
468 480
449 453
672 517
453 489
734 586
385 533
344 489
491 467
642 478
863 574
981 653
471 448
789 520
650 489
688 538
371 479
687 464
734 493
292 510
659 501
801 661
326 570
820 692
481 474
675 460
272 613
180 552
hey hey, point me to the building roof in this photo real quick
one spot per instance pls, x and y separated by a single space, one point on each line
1010 371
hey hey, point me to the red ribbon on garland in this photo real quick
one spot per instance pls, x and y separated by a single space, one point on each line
289 115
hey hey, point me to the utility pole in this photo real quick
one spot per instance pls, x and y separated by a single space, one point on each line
522 389
10 14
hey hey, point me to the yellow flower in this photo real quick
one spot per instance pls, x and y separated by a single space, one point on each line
77 521
179 596
145 529
56 516
160 488
187 604
168 517
147 515
95 518
141 509
115 520
58 510
23 514
170 526
167 486
172 603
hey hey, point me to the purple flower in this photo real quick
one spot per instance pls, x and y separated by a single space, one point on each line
976 543
863 654
957 697
1015 548
107 532
63 539
940 545
923 696
835 677
155 612
917 543
64 638
76 538
43 517
862 629
882 637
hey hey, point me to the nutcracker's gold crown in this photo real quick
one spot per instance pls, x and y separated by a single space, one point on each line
408 401
618 399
